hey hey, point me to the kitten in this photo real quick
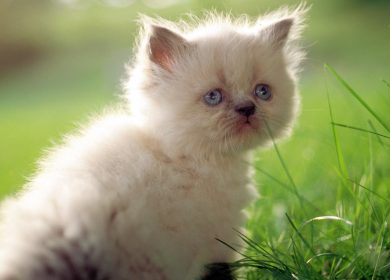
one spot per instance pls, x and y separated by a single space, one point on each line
144 195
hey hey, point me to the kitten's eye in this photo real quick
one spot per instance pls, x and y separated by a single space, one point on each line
263 91
213 97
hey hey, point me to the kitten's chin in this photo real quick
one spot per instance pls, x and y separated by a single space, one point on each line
247 134
247 127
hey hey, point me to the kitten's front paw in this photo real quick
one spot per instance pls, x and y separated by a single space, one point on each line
218 271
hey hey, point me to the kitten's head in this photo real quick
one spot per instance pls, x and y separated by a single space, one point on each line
223 85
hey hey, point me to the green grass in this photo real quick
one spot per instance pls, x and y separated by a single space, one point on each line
324 206
342 231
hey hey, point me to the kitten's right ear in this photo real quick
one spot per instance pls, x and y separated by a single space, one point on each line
165 46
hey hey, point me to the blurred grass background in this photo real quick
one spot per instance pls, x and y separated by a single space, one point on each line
61 61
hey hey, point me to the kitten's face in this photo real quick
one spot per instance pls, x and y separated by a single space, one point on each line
220 91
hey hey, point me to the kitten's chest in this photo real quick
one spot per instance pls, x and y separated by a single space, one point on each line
195 206
203 181
184 208
208 192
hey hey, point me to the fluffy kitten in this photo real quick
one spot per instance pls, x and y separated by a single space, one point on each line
144 195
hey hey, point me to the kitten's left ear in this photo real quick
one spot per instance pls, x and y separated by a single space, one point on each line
165 46
278 32
283 26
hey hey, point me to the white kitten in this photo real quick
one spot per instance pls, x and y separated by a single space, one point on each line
145 195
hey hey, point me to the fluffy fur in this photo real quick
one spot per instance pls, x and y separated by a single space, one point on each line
145 195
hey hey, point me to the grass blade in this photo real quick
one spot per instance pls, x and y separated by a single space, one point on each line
386 82
284 165
287 187
354 94
367 189
380 245
359 129
340 158
377 137
329 218
300 235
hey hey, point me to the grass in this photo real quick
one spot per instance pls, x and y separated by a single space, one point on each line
324 206
350 240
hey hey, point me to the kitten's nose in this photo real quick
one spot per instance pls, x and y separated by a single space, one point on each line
246 109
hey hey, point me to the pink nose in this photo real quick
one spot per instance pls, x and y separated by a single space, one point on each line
246 109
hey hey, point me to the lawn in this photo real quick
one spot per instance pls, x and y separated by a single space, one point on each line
324 207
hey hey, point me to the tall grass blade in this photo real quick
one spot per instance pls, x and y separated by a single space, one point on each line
273 178
386 82
300 235
381 238
231 247
360 129
260 250
284 165
374 129
286 187
340 158
357 96
368 189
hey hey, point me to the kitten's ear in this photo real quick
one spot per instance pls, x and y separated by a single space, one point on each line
283 26
278 32
165 46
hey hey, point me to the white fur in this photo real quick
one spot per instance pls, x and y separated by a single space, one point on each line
145 195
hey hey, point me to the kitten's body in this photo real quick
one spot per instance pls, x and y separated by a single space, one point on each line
144 196
154 224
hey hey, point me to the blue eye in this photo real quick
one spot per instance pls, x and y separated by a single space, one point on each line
213 97
263 91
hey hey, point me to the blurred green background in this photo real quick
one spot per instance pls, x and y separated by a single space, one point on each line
61 61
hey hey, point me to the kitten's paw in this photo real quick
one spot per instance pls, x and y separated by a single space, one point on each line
218 271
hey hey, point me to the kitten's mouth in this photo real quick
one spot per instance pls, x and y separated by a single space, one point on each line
247 125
